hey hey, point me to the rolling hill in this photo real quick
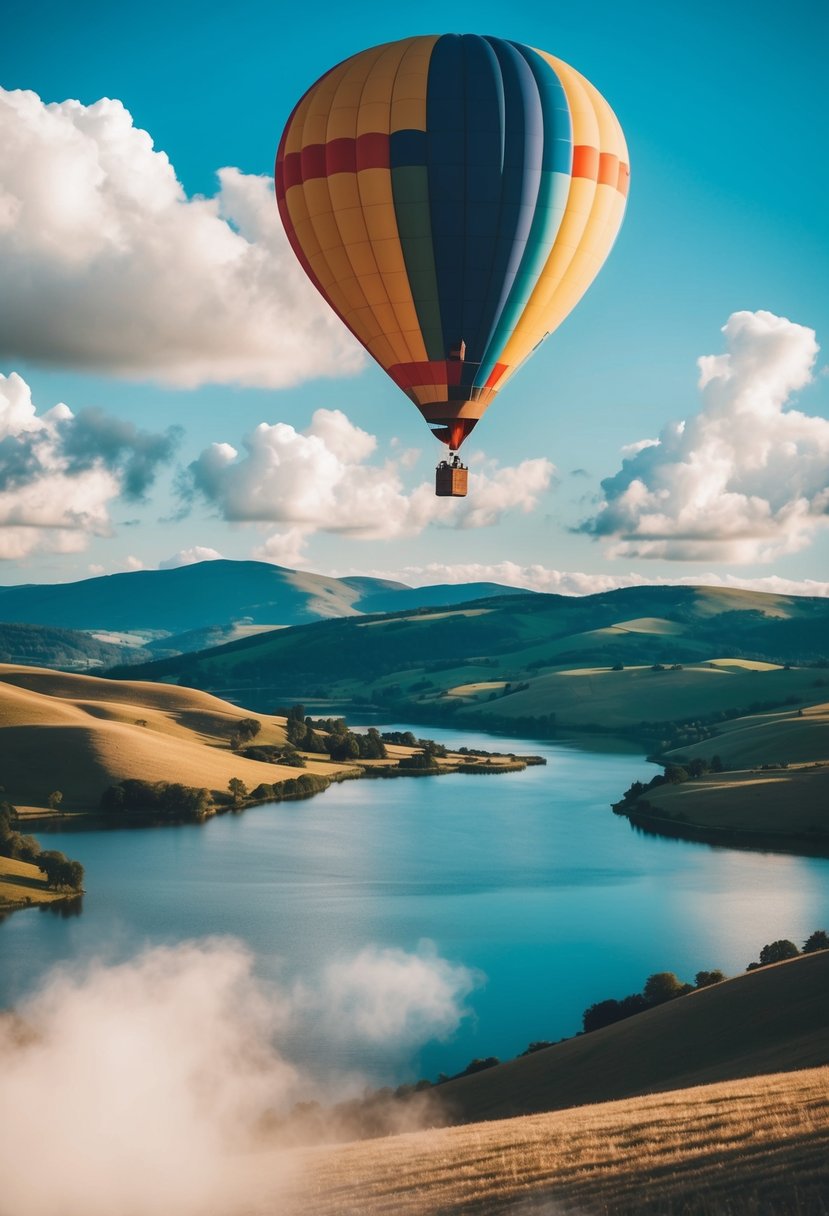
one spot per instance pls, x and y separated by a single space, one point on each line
756 1147
769 1020
714 1103
70 649
80 734
217 593
513 660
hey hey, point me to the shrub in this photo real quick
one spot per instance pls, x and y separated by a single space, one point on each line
819 940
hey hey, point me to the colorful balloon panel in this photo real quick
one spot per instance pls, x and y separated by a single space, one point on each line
452 198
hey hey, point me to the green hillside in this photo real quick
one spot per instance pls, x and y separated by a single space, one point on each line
216 593
69 649
616 661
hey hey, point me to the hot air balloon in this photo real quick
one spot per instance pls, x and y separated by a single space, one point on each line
452 198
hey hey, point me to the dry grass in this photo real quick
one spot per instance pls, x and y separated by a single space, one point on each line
770 1020
80 734
21 883
745 1147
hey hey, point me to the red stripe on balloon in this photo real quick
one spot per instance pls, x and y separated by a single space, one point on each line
585 161
495 375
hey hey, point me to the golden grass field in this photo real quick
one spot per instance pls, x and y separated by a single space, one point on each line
773 1019
21 883
753 1147
79 734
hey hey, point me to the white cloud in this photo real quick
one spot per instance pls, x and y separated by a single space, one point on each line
320 479
391 997
189 557
286 548
574 582
115 268
59 471
745 479
141 1088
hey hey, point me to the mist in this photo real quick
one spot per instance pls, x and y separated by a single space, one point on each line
158 1085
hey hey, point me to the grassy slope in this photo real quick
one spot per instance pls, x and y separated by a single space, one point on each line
748 801
79 734
416 656
21 883
755 1147
623 698
792 803
780 735
769 1020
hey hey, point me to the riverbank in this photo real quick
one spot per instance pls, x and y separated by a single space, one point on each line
24 886
782 809
68 740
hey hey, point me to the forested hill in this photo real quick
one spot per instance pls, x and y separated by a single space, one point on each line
655 652
215 593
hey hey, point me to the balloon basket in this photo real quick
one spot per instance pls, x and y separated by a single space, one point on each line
451 479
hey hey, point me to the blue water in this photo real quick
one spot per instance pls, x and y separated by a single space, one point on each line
528 878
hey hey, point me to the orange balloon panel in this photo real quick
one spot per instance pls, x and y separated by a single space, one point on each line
452 198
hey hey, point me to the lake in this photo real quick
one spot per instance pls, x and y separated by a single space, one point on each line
527 878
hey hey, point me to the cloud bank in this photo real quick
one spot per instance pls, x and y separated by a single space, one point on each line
116 269
745 479
141 1089
576 582
321 480
60 471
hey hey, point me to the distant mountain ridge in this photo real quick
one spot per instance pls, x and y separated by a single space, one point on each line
219 592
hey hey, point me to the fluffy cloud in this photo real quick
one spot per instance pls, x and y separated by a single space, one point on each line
320 479
166 1066
745 479
60 471
115 268
575 582
189 557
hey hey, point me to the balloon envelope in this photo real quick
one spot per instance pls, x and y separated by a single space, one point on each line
452 198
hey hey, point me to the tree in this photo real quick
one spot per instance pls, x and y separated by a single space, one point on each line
776 952
704 979
238 790
819 940
54 800
675 774
663 986
716 764
343 746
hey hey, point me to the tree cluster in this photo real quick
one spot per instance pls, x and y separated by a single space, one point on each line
270 753
292 787
300 731
659 988
782 949
60 871
167 801
244 730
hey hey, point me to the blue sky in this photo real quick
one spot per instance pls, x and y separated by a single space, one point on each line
725 115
